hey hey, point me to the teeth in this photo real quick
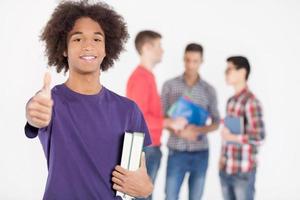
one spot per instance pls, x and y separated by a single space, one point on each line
88 57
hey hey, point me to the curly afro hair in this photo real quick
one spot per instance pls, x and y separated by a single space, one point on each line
62 21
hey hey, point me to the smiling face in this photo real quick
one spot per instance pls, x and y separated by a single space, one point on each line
86 46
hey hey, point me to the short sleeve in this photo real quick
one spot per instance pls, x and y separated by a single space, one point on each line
165 98
31 131
213 106
138 124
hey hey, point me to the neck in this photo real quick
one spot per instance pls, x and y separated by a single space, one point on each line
147 63
191 78
240 86
88 84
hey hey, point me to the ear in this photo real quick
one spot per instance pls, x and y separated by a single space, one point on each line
65 54
201 57
243 72
201 60
143 49
147 46
184 57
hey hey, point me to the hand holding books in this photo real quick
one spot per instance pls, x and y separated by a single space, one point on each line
131 178
186 116
190 133
233 128
178 124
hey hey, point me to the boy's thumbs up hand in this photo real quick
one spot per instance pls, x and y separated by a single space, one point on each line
46 91
39 108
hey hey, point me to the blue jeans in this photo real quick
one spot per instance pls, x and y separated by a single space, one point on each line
239 186
180 163
153 157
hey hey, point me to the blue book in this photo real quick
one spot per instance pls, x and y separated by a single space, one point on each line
194 113
234 124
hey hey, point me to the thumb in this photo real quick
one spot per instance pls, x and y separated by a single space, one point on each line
143 161
46 86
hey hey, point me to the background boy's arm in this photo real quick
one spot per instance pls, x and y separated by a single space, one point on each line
255 132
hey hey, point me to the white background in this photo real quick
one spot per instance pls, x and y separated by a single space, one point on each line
267 32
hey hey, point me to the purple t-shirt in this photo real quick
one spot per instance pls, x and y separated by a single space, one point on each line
83 142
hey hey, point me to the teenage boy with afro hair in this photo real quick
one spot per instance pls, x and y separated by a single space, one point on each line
80 123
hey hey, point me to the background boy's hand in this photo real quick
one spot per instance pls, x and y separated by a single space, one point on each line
228 136
175 125
134 183
189 133
179 123
39 108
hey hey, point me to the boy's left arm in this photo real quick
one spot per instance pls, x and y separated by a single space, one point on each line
135 183
255 132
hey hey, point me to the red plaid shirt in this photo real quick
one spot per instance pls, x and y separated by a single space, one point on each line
237 158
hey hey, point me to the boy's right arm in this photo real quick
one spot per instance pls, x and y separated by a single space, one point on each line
39 109
173 125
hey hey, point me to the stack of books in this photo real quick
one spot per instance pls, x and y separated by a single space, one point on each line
235 125
131 155
194 113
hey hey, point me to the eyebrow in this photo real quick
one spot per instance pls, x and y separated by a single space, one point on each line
80 33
